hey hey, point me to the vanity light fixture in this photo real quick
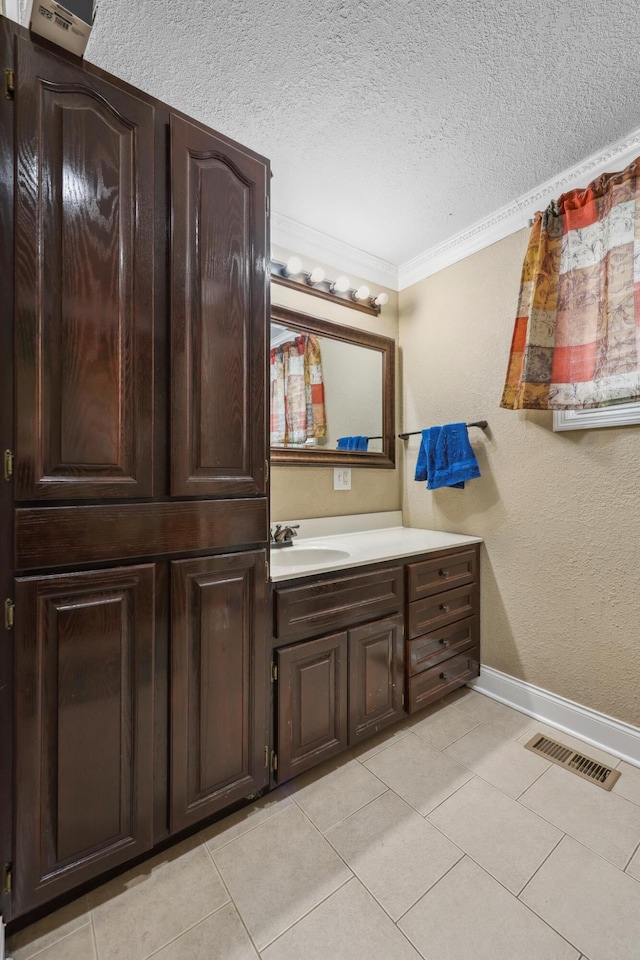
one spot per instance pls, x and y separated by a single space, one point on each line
291 274
341 285
293 266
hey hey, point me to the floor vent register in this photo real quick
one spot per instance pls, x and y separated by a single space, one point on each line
585 767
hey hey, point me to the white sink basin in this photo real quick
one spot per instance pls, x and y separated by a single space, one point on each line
297 556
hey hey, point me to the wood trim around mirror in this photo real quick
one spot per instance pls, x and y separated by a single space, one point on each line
316 456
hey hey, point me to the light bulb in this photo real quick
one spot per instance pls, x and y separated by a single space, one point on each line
293 266
381 299
362 292
342 284
317 275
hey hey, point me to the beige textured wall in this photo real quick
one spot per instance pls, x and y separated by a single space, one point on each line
560 513
302 492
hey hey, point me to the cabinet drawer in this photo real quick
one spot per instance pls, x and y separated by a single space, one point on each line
441 572
339 602
432 684
435 612
425 652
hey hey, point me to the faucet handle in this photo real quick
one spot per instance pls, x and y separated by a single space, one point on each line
275 533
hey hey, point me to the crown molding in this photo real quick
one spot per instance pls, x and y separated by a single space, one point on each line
311 243
518 214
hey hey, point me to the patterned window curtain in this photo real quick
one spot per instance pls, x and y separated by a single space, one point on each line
314 383
576 341
297 393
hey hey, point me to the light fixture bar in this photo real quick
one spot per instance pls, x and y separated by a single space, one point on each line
326 289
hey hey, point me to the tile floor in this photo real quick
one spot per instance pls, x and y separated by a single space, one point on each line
442 839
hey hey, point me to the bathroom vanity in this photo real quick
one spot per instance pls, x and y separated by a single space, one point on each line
367 627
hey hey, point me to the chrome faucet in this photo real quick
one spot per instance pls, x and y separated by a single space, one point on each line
283 536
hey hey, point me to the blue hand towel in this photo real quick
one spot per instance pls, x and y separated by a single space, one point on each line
446 458
353 443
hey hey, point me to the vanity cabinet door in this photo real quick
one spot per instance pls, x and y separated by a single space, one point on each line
376 677
218 683
312 721
219 293
83 727
83 283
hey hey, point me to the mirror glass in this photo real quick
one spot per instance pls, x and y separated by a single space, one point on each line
331 391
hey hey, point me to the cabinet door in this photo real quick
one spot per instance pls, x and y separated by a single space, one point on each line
312 703
84 727
219 299
376 677
84 272
218 683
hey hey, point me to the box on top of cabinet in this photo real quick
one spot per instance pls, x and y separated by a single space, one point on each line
69 26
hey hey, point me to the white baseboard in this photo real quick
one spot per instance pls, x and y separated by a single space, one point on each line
615 737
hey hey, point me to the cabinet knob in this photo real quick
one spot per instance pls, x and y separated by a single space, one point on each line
443 573
444 607
443 641
444 676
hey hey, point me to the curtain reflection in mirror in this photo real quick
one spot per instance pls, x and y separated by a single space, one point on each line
297 393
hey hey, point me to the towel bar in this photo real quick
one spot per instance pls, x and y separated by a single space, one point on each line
483 424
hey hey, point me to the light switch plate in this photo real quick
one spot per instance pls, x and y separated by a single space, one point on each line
342 478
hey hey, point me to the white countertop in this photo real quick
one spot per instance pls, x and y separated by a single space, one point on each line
371 546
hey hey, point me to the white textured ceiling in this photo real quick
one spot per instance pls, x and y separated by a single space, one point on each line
390 125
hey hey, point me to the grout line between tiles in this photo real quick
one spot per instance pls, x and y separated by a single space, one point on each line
95 938
540 866
149 956
540 775
630 859
34 956
577 839
231 900
457 790
439 880
255 826
529 907
315 907
455 739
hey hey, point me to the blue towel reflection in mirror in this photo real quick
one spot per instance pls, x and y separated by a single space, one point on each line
353 443
445 458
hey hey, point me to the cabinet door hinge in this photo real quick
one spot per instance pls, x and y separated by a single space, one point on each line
266 571
266 471
274 672
266 205
7 878
9 613
9 83
274 761
403 699
266 757
8 464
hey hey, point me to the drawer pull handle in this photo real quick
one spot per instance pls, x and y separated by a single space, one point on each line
443 573
444 607
444 676
443 641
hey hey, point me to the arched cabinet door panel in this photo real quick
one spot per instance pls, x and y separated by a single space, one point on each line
84 274
219 296
84 727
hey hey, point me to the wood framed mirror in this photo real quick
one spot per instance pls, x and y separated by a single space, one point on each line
332 393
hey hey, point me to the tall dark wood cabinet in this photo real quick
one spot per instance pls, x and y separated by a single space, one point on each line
133 665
